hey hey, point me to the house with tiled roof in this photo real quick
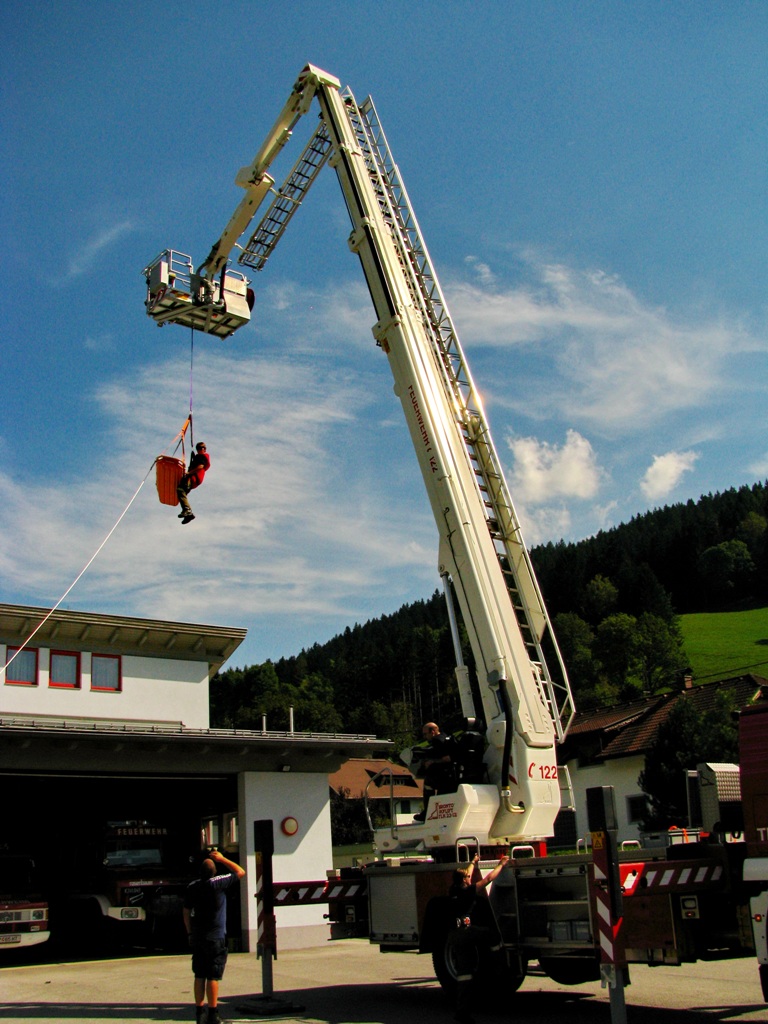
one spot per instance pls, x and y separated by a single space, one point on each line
379 780
607 747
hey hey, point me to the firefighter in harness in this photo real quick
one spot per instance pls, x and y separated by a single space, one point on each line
199 464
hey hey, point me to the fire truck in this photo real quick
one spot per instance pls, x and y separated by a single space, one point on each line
126 882
23 909
518 703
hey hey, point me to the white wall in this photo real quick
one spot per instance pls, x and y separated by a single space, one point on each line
622 774
304 857
154 689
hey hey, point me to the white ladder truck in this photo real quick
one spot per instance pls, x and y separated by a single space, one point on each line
550 909
525 708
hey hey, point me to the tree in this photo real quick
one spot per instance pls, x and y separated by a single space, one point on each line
575 639
753 530
727 570
613 647
239 697
311 698
392 673
600 598
642 590
393 721
348 822
659 657
687 738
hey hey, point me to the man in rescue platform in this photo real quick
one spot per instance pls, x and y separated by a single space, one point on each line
199 463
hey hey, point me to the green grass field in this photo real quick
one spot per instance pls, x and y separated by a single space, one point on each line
724 644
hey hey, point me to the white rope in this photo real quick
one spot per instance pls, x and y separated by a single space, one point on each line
81 573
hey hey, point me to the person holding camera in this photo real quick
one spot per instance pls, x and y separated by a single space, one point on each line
205 918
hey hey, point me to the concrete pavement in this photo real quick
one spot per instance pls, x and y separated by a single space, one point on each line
350 982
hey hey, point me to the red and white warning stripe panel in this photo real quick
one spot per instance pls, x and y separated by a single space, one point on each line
341 890
299 893
669 876
609 928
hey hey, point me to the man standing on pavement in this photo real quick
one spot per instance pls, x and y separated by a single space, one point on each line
205 918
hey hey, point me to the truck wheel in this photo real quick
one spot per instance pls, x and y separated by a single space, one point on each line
502 981
86 930
570 970
454 955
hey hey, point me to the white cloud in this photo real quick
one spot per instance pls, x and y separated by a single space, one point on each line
665 473
604 514
83 260
314 512
102 342
595 353
481 270
307 319
546 479
760 467
543 522
543 471
294 521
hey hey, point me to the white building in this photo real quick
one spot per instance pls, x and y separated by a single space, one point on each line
104 715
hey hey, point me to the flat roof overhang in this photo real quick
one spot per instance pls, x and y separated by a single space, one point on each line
31 744
119 634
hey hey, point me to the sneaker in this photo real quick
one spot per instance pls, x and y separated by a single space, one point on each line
182 514
199 1014
213 1017
187 519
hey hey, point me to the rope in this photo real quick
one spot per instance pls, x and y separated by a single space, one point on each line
191 363
40 625
180 442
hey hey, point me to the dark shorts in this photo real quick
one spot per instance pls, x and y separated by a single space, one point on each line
209 958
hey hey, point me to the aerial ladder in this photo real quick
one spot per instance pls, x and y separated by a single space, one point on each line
525 708
566 911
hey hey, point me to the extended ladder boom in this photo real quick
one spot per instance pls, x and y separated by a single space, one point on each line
481 548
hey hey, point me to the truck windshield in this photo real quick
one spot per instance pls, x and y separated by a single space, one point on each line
128 855
16 876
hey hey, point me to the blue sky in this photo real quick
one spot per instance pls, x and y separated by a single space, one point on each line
590 179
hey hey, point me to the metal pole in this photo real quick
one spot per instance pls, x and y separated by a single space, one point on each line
601 814
266 938
266 1005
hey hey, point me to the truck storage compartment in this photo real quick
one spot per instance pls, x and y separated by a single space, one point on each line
398 898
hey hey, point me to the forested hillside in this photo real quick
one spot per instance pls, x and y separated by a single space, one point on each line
708 555
614 600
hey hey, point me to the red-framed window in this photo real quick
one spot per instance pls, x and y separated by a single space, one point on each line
65 670
106 672
21 666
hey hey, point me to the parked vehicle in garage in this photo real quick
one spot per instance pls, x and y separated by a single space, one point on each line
128 884
23 909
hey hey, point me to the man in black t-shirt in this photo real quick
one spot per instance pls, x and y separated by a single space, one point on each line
473 929
437 767
205 918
